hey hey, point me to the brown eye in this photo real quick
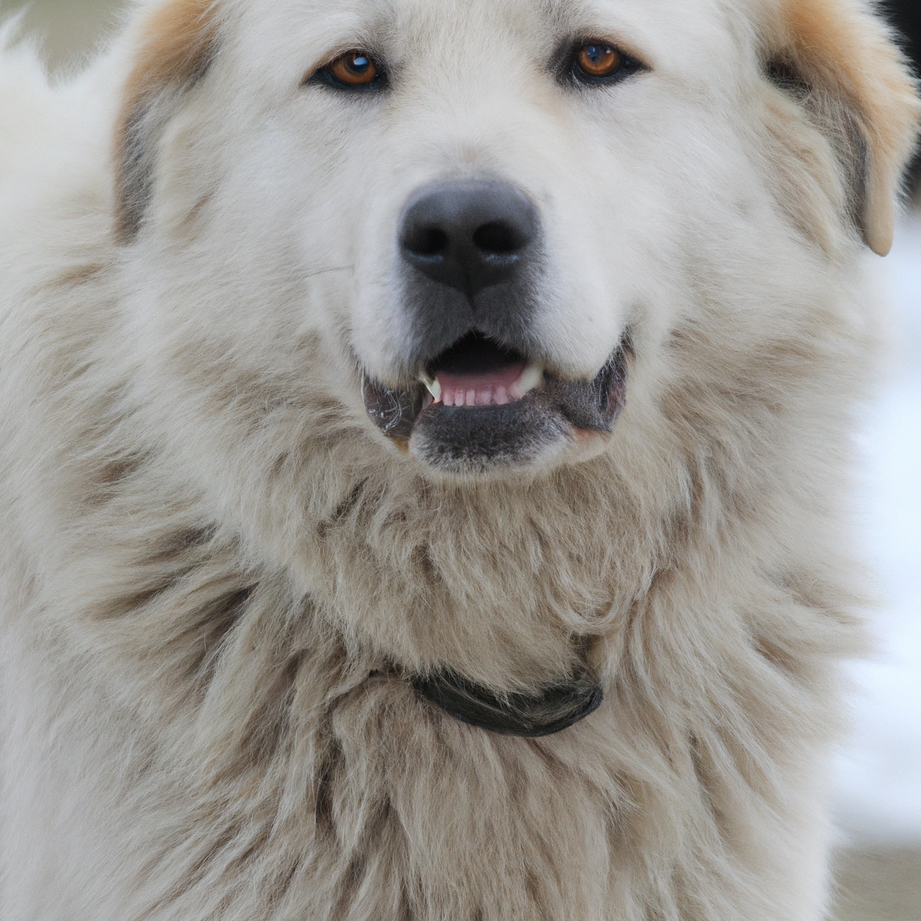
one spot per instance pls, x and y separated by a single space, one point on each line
597 60
353 69
598 63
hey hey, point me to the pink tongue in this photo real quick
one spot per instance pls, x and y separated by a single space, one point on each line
486 380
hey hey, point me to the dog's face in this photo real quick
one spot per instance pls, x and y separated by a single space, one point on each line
490 172
492 215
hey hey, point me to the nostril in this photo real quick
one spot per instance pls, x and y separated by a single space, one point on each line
427 241
498 239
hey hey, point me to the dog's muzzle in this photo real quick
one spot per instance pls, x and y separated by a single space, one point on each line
481 398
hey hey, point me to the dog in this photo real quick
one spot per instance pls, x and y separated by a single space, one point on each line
425 456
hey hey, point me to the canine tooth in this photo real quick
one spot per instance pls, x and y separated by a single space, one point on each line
433 387
531 378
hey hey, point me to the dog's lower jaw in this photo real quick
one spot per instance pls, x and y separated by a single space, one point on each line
544 423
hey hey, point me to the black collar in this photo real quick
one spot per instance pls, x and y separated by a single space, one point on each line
551 709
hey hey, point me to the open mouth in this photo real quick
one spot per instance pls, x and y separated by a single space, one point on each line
477 372
479 405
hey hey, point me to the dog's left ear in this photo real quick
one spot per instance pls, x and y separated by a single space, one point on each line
843 66
174 48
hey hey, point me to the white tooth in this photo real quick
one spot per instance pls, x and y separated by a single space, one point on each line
433 387
471 398
531 378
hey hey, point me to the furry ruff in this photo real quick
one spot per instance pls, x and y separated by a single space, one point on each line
279 446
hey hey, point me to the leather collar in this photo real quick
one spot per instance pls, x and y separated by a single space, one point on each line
551 709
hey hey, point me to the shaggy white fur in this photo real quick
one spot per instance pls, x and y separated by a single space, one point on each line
218 575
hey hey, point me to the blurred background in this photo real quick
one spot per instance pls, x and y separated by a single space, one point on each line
878 773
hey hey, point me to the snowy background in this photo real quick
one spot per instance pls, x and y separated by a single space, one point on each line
879 774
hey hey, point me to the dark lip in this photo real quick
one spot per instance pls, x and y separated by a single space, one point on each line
487 436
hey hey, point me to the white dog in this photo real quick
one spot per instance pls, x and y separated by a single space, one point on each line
423 441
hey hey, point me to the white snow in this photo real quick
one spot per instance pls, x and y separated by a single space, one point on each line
878 776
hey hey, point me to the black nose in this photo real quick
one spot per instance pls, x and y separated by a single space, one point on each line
469 235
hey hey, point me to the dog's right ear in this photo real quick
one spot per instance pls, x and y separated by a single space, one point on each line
176 45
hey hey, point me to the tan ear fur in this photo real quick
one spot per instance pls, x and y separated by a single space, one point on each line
837 48
175 46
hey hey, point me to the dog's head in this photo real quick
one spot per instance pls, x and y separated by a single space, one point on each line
489 217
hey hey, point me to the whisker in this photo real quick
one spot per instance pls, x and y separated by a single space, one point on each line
336 268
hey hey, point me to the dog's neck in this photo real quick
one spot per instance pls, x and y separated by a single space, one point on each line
549 710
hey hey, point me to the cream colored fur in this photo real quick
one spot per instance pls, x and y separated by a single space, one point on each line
211 557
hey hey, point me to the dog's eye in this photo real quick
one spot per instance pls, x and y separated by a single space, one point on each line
600 62
353 70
